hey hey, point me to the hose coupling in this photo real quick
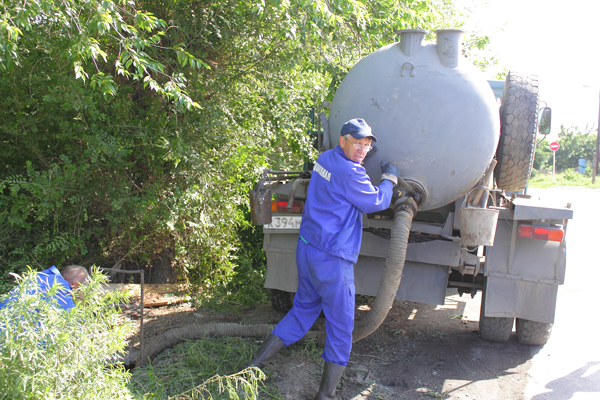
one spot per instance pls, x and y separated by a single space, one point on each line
405 203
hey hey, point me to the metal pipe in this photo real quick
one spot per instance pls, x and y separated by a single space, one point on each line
141 314
292 194
597 155
284 172
485 189
411 40
407 186
448 46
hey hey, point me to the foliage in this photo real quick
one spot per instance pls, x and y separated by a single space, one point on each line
543 155
104 38
241 385
50 353
202 369
134 129
574 144
243 285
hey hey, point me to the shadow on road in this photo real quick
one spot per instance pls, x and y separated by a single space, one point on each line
436 351
579 380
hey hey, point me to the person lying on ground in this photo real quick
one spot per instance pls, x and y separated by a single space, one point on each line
71 277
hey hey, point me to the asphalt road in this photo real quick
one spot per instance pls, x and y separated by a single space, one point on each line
568 366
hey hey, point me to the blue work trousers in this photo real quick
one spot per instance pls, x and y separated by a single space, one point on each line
325 282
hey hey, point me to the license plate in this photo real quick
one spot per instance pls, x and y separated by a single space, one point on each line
279 222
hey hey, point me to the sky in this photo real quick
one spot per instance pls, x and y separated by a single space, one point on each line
557 40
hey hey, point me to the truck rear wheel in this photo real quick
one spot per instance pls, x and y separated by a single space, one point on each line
518 128
496 329
280 300
532 332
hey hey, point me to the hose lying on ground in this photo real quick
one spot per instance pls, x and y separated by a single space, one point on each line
170 338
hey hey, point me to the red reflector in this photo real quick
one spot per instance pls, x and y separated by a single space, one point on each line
525 231
541 233
281 206
556 235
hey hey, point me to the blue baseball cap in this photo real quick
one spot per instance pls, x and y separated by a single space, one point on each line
358 129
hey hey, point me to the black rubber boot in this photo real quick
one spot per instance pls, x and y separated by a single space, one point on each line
269 348
332 373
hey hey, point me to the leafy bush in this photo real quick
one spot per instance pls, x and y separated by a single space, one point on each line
243 283
543 156
575 143
533 173
50 353
571 175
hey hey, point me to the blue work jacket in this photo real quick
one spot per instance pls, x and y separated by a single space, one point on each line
45 280
339 192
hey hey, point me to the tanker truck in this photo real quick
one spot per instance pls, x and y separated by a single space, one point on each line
460 216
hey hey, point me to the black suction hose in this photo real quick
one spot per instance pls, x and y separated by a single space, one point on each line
405 209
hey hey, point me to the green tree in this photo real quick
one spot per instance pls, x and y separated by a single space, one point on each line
132 131
543 155
574 145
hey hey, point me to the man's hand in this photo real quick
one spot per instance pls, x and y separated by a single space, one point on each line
389 172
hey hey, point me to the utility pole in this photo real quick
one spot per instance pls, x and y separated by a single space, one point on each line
595 169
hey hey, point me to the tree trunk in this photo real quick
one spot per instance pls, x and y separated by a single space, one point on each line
162 269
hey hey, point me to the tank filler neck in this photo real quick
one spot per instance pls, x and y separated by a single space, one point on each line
448 46
411 40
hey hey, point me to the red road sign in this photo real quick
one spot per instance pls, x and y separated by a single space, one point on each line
554 146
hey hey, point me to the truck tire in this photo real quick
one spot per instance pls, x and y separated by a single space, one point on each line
280 300
496 329
518 129
532 332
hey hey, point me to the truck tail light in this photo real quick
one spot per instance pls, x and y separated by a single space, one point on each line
281 206
541 233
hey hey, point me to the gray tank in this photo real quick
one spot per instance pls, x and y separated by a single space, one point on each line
433 113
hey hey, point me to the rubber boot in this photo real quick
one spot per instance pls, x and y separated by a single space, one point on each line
269 348
332 373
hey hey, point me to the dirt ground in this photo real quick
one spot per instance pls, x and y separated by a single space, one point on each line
419 352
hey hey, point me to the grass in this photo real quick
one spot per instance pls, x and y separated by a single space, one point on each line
567 178
212 368
437 395
208 368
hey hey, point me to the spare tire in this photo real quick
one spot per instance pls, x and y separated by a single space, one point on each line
518 129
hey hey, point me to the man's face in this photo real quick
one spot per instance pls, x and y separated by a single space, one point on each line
351 152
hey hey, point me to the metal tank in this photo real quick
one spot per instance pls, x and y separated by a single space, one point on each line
433 113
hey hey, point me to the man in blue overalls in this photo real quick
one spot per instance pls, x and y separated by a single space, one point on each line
339 192
72 277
